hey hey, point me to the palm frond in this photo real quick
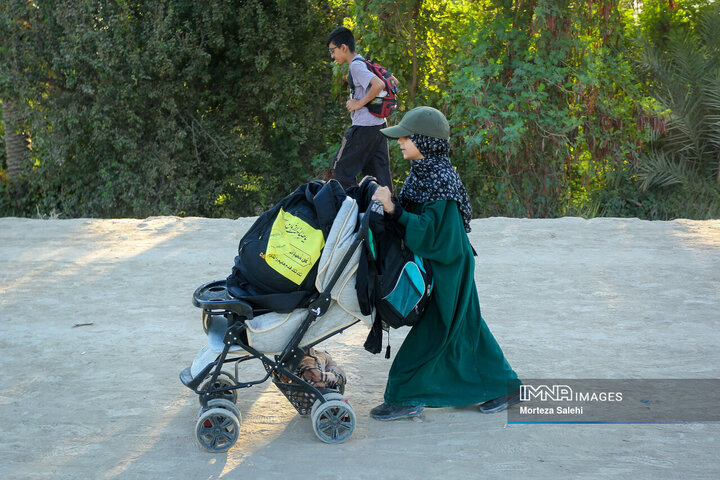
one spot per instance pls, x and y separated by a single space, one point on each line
708 28
684 78
713 118
657 169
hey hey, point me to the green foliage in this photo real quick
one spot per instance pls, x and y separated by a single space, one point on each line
657 21
168 106
538 100
412 37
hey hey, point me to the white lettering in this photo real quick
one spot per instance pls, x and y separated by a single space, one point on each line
569 410
598 396
545 393
524 410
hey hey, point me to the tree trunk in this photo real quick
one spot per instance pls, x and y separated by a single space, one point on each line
17 145
412 85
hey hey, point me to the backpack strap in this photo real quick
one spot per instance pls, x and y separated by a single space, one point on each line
350 79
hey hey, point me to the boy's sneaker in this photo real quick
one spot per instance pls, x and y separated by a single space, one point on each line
386 412
501 403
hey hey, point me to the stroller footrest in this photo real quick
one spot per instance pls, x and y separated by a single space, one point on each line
186 377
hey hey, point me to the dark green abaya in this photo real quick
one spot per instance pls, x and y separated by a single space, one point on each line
450 358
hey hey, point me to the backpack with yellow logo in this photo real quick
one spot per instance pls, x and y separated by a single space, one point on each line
276 265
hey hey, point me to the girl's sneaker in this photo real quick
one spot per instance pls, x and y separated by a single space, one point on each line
501 403
386 412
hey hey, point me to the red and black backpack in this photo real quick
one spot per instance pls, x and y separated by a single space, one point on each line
385 104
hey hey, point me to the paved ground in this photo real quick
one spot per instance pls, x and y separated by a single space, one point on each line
96 323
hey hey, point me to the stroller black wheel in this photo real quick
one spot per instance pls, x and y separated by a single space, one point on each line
334 421
217 430
224 379
221 403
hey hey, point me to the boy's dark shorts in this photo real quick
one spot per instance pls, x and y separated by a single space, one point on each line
363 150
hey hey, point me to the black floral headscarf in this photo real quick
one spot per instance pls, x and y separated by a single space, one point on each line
434 178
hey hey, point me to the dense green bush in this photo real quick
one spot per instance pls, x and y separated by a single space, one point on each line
171 106
539 98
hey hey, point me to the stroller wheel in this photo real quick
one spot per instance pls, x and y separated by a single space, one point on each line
221 403
334 421
224 379
327 396
217 430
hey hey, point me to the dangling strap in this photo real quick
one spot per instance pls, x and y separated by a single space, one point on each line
350 79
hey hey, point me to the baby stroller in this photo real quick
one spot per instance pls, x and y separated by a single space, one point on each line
238 332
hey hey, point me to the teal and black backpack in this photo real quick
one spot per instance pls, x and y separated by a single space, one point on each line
403 285
391 279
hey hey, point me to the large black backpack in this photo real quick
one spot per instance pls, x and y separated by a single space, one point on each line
276 265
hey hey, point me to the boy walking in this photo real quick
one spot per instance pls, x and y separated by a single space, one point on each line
364 149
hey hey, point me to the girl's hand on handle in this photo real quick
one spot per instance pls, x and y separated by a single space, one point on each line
383 195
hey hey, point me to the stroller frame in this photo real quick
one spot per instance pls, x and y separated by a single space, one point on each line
219 419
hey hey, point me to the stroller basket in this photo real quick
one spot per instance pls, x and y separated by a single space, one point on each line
299 395
300 398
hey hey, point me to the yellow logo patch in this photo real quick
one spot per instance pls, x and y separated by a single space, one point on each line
293 247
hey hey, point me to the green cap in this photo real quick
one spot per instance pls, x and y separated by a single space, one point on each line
426 121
